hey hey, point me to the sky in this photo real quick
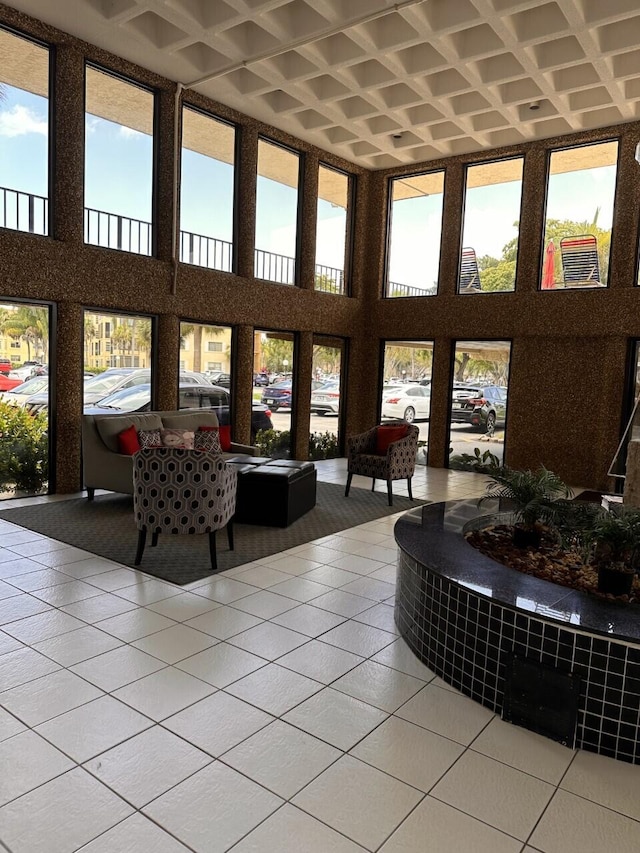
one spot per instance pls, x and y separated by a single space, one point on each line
119 180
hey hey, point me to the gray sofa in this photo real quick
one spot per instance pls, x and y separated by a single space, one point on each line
105 468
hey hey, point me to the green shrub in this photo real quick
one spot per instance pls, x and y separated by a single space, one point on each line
323 445
277 445
24 446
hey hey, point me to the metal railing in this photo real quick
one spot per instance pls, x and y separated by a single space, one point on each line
396 289
273 267
329 279
113 231
24 211
205 251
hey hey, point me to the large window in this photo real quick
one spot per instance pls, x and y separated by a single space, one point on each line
331 230
326 398
197 342
118 185
478 411
577 234
273 354
206 191
406 388
415 227
24 134
490 230
24 399
276 213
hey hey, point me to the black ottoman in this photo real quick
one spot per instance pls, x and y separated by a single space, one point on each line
274 494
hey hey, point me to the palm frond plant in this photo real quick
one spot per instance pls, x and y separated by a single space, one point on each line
616 544
531 496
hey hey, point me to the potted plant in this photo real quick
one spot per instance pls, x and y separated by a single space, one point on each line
531 495
616 540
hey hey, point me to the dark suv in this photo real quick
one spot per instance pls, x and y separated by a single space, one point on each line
482 406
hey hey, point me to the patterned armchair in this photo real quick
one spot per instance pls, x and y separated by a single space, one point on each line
183 491
398 463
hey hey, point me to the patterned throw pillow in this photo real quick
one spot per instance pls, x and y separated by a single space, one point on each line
182 438
207 440
149 438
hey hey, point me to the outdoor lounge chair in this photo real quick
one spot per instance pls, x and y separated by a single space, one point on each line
469 279
580 263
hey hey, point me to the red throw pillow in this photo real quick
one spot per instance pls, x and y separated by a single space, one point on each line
225 438
387 434
128 441
224 433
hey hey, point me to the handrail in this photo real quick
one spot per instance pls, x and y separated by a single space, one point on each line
22 211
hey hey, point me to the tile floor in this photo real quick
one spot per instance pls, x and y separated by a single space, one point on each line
270 709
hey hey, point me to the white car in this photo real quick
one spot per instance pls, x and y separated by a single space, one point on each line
22 372
407 402
21 394
325 400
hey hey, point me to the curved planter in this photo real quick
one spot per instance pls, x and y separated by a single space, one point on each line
467 618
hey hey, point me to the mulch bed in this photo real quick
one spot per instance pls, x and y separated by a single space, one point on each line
548 562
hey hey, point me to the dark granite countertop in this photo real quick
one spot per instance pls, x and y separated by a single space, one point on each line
432 535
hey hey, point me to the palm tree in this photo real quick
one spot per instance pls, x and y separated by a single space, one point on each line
197 329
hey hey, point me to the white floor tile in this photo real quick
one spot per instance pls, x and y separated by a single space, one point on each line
379 685
336 718
342 603
66 593
23 665
34 581
282 758
147 765
149 592
320 661
574 825
91 567
68 812
213 809
446 713
78 645
48 696
359 801
33 629
525 751
136 834
300 589
20 607
503 797
309 620
221 665
610 783
289 828
435 827
223 590
91 729
358 638
116 579
331 576
118 667
184 606
224 622
103 606
135 624
379 616
9 644
359 565
9 567
62 556
263 576
265 604
269 640
218 723
9 725
274 689
28 761
399 656
293 564
412 754
368 587
163 693
176 643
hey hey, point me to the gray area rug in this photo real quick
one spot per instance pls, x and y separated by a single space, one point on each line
105 526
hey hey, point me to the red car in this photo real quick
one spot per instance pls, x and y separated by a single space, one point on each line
5 366
7 384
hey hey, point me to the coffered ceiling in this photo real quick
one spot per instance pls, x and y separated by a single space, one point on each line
380 83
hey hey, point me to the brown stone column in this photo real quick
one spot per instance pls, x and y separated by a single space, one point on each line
242 387
245 231
451 230
438 450
167 365
67 180
303 367
623 259
307 223
66 426
163 189
531 231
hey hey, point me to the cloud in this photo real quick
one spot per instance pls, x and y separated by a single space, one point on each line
91 123
129 132
20 120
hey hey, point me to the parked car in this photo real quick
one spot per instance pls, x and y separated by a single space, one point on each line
409 402
7 383
217 377
482 406
260 379
5 366
278 396
138 399
114 379
325 400
21 373
22 393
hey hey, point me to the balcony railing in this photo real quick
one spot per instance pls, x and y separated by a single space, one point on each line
24 211
113 231
273 267
395 289
205 251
